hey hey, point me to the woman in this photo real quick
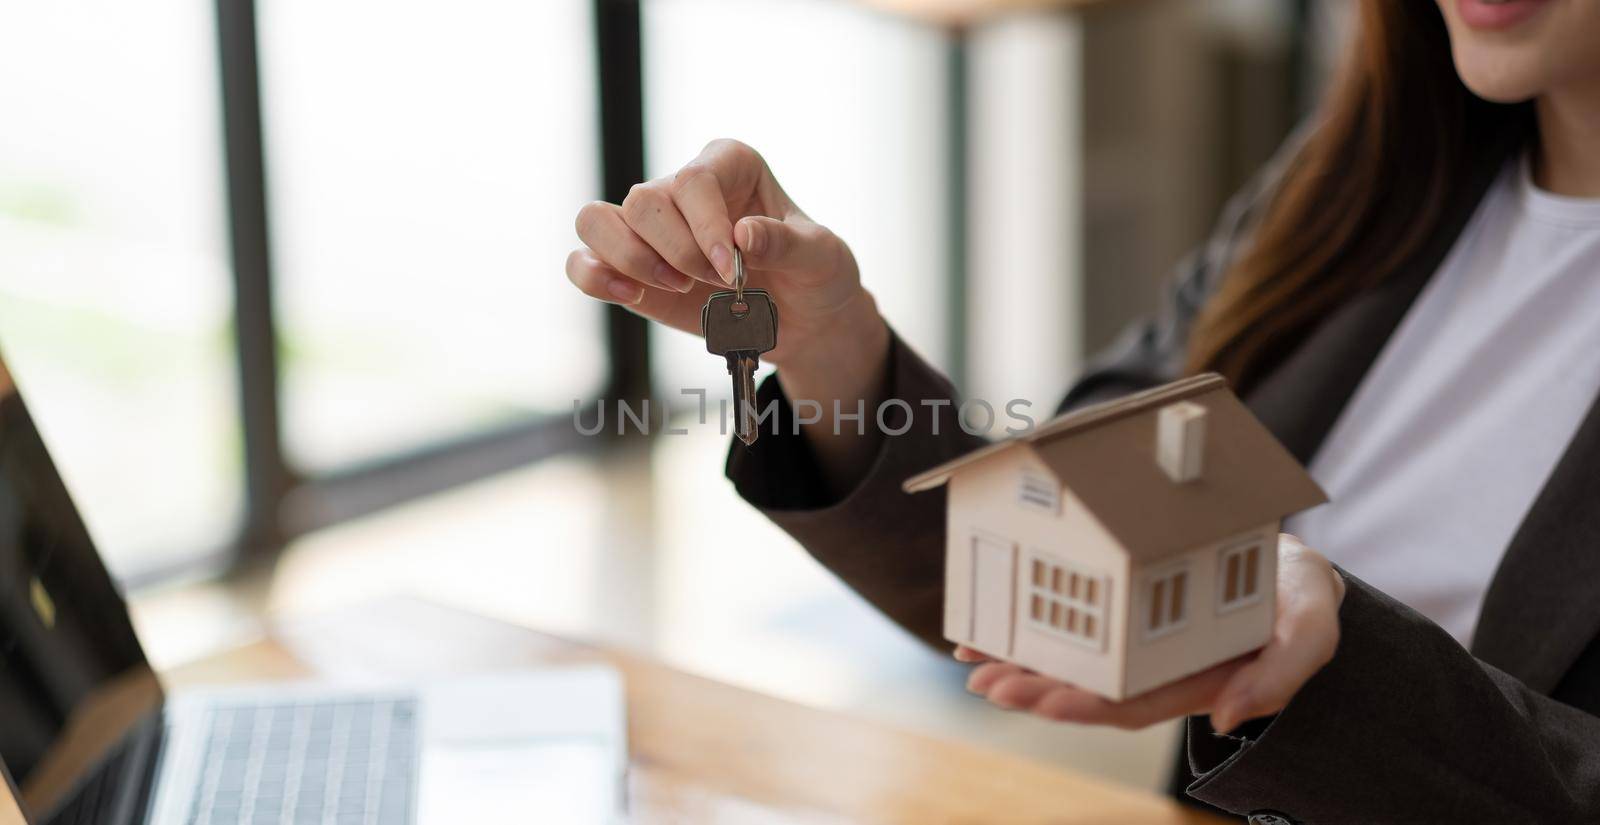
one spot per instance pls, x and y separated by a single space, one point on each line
1409 299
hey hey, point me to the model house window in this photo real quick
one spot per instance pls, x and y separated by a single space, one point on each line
1165 605
1239 575
1038 491
1068 601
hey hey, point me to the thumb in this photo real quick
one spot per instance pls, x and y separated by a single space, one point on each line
796 245
1267 684
1252 691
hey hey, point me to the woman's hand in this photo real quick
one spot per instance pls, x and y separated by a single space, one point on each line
671 243
1304 637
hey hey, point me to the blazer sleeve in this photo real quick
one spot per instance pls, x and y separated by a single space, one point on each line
885 544
1404 725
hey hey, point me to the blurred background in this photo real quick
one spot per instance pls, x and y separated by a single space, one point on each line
282 282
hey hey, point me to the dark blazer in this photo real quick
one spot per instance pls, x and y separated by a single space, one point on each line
1403 725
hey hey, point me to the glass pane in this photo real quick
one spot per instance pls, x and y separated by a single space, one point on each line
427 160
1252 556
1179 583
854 130
1230 579
115 301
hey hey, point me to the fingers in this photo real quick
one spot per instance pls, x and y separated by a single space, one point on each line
967 654
727 177
598 279
651 213
1184 697
1020 691
601 226
796 245
671 230
698 194
1013 688
984 676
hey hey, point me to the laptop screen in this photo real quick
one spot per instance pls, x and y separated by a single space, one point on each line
73 678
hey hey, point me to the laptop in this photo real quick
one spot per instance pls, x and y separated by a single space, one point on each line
89 735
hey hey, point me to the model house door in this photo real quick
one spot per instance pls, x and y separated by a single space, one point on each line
993 563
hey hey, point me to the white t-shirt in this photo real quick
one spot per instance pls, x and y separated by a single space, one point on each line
1443 448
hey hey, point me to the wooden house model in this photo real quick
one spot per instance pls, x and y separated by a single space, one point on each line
1124 545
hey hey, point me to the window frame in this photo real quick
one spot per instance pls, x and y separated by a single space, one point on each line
1165 575
1240 549
280 502
1067 598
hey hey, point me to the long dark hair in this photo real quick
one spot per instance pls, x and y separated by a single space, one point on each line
1398 137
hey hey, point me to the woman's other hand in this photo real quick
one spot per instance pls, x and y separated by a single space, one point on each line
1305 634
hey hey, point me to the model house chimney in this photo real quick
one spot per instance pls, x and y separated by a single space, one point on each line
1181 440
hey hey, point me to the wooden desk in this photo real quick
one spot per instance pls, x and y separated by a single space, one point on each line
705 752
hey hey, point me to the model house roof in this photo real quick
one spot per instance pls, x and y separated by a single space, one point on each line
1106 455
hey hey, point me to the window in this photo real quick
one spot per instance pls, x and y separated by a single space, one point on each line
1067 601
420 222
115 309
1239 576
1038 491
1165 608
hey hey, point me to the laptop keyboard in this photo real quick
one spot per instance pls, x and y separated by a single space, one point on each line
343 762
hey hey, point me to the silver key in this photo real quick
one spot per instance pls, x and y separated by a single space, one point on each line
739 324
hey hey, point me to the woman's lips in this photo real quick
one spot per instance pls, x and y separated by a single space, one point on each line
1498 14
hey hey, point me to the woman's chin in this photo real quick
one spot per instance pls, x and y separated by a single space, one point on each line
1500 79
1501 93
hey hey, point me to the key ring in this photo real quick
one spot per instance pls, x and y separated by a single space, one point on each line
738 307
739 276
